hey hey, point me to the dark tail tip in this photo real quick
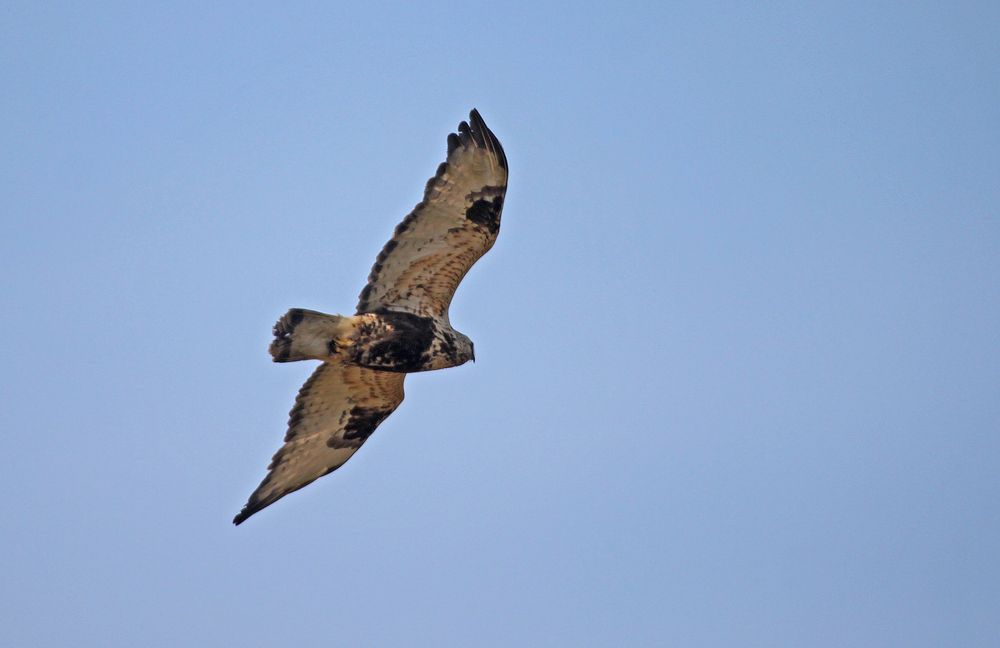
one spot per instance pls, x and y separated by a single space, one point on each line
284 328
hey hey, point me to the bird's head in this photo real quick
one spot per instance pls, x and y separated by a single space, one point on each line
465 350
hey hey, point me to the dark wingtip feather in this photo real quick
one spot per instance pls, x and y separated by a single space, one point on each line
242 516
464 133
255 505
477 120
475 132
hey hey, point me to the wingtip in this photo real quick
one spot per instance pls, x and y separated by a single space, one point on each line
244 514
252 507
478 134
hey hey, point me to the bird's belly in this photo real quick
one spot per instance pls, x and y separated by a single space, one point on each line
404 342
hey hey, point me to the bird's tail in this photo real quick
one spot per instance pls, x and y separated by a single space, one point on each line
303 334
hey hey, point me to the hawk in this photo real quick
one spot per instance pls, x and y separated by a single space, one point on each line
401 325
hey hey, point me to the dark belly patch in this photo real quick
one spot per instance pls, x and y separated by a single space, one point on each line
400 343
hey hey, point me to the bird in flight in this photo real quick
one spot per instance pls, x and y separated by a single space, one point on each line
401 325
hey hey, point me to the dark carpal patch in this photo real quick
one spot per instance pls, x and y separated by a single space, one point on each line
404 347
486 213
361 422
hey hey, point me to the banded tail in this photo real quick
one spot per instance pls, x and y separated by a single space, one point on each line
303 334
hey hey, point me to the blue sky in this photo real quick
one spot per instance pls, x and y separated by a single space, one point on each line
738 344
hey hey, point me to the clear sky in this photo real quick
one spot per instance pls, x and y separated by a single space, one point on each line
738 378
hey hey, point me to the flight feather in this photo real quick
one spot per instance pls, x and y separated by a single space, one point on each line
455 224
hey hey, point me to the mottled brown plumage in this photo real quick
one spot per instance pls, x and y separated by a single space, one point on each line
455 224
401 325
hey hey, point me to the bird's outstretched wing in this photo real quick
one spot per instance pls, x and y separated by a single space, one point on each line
337 409
454 225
